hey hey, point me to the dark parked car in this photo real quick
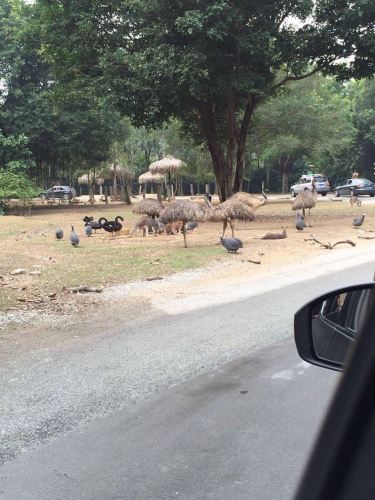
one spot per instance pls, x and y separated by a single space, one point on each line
60 192
354 187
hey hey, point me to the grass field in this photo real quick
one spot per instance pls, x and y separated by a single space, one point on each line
29 243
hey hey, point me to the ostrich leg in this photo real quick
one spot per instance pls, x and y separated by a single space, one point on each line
225 223
184 233
232 227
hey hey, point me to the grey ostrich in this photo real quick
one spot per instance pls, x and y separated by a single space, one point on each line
185 211
59 233
74 238
249 199
231 211
306 200
150 207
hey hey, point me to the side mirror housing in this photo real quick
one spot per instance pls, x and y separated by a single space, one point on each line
327 328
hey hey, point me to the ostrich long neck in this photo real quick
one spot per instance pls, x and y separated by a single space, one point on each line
209 209
264 198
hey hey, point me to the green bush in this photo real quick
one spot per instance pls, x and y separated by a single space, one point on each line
16 185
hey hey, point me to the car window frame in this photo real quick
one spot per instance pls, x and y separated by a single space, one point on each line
342 443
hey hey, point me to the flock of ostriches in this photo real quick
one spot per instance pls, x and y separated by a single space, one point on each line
183 216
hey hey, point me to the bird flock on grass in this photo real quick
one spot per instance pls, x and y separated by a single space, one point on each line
183 216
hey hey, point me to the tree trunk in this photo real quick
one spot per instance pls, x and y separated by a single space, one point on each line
228 164
115 181
127 193
158 191
285 174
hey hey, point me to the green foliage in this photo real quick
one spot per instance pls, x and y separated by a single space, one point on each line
195 72
364 119
68 127
12 148
16 184
208 64
312 122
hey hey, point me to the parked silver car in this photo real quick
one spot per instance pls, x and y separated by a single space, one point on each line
305 182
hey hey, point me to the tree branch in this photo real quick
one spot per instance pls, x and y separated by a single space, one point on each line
293 78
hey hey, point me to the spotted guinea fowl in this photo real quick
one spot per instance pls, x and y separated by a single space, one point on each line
300 222
190 226
95 224
74 238
358 221
113 226
88 231
231 244
59 233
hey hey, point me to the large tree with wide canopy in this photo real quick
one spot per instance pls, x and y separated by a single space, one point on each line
208 63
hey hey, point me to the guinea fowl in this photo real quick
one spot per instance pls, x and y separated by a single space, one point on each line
74 238
231 244
190 226
59 233
300 221
113 226
358 221
95 224
88 231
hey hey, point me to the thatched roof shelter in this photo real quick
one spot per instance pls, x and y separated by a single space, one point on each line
167 165
83 179
149 177
150 207
120 171
232 210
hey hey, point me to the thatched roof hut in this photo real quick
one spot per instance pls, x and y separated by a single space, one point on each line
230 211
150 207
149 177
120 171
167 165
83 179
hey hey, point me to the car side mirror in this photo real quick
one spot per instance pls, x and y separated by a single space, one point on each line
327 328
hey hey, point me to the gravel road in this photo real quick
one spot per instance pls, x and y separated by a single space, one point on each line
53 388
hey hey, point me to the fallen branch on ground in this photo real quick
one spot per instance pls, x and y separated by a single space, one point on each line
86 288
329 246
366 237
252 261
154 278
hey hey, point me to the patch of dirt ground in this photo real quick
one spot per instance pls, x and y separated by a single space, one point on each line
200 276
